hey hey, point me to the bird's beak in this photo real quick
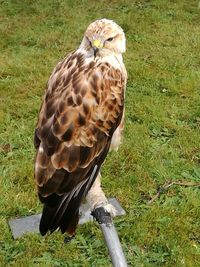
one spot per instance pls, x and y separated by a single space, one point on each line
97 44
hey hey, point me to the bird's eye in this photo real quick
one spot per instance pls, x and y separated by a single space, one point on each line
90 43
110 39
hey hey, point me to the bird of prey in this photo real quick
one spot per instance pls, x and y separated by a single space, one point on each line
80 119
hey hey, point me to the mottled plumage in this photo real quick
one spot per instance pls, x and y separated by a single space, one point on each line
82 108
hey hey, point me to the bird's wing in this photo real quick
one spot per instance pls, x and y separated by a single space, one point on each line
82 107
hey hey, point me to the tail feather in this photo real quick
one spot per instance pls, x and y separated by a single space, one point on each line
63 211
64 218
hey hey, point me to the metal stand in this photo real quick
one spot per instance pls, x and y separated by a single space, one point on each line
111 237
30 224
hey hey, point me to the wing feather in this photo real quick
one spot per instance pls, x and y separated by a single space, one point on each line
82 107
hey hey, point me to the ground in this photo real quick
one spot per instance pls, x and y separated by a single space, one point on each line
161 138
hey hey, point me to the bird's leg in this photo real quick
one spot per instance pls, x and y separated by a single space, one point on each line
117 136
96 197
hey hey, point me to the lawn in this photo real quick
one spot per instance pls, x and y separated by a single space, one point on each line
161 138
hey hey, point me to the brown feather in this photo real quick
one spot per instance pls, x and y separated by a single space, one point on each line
82 107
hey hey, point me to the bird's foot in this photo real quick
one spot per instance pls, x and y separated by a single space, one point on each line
110 209
102 216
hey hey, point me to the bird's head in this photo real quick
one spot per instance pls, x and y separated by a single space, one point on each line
102 37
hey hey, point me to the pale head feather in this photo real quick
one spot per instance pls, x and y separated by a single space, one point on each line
110 35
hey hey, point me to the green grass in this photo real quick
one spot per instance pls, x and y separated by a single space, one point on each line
161 137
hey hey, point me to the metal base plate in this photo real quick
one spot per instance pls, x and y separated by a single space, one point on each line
30 224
